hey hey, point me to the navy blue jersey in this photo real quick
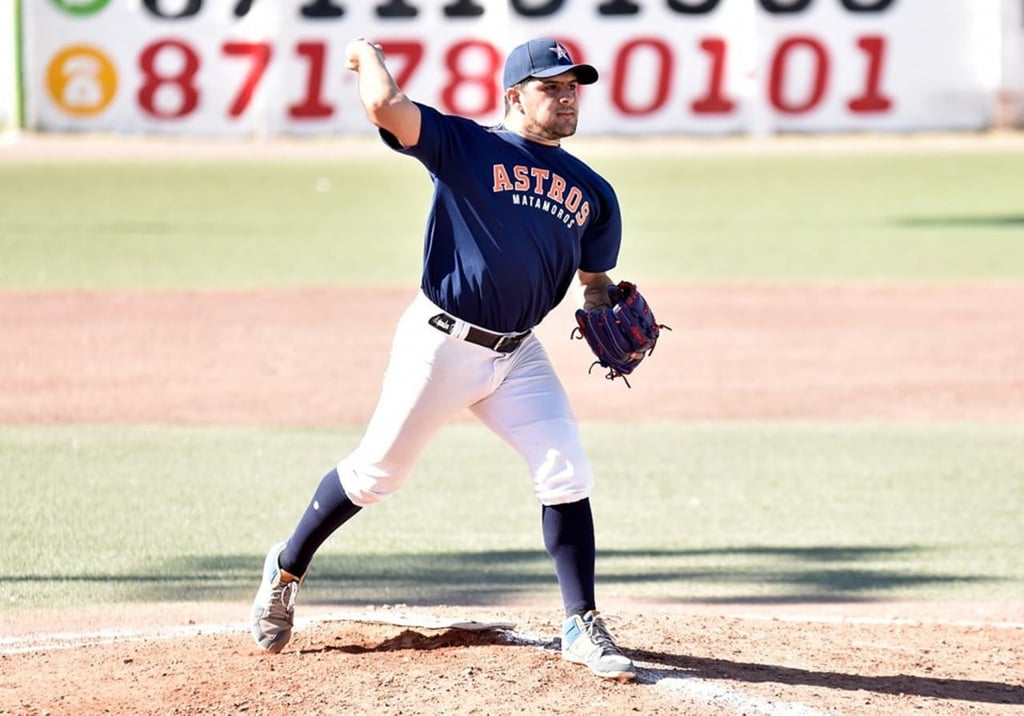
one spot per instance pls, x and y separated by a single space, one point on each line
510 222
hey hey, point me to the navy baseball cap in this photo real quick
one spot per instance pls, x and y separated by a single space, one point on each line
544 57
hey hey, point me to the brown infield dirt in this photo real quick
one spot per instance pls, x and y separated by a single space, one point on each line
737 352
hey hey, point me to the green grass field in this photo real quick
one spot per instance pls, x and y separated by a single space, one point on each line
783 512
221 223
704 512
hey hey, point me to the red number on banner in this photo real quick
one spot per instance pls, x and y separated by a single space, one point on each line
312 105
799 76
714 102
662 76
872 100
155 80
259 56
778 74
482 78
411 52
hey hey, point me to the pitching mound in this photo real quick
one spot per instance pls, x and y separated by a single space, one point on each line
692 663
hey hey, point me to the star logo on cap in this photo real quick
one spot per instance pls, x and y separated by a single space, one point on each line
560 52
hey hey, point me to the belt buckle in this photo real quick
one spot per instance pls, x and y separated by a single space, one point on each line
502 341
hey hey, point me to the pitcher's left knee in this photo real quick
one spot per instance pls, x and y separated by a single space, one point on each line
562 478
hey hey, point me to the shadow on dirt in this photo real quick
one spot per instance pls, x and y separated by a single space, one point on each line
411 639
895 685
671 666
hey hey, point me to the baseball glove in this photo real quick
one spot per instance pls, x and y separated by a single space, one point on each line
620 335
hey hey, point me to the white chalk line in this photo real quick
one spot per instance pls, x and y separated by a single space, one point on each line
730 700
74 640
693 688
895 621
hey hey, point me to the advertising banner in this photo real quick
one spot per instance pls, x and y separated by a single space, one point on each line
256 67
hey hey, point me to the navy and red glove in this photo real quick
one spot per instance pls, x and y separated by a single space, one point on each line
622 334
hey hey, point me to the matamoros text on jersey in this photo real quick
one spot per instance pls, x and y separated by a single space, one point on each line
544 190
405 9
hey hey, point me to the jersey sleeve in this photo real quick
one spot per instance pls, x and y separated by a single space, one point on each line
433 143
599 245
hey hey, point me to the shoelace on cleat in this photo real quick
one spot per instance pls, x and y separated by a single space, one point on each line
282 600
599 635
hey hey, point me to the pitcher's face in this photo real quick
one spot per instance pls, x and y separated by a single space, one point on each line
550 106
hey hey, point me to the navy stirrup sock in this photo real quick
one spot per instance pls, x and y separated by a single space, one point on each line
329 509
569 539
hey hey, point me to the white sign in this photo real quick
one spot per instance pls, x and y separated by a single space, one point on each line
255 67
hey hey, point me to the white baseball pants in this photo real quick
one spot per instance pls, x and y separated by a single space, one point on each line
431 376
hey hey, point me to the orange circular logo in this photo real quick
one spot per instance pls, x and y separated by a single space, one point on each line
82 80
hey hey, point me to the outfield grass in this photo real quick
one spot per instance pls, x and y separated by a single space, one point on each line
781 512
873 217
222 223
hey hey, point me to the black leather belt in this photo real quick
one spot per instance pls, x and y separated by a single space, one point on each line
500 342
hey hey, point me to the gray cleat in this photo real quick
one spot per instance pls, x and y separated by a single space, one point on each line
273 610
585 640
